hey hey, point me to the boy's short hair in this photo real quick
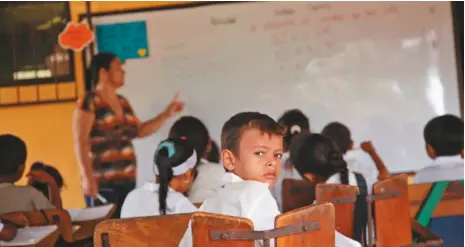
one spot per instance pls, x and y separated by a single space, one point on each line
340 134
13 154
232 130
445 135
193 131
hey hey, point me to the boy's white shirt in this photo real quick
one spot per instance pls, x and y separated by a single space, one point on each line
1 226
359 161
277 190
248 199
444 168
207 181
144 202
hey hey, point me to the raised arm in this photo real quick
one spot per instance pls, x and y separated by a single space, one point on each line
151 126
383 172
82 125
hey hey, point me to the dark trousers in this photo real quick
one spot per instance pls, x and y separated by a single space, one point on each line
113 193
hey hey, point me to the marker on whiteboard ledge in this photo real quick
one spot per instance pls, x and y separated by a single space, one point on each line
102 199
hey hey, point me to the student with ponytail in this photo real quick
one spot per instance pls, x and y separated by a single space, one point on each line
174 164
318 159
296 123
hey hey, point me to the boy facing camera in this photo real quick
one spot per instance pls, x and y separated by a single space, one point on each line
251 152
14 198
444 145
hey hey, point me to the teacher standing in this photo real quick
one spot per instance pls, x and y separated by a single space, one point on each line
104 125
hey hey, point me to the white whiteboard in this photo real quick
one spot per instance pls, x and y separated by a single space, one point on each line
382 68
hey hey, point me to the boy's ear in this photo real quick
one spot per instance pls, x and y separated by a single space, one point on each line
228 159
351 146
430 151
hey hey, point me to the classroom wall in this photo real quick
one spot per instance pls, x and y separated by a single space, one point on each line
46 128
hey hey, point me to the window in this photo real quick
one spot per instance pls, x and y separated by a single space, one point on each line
29 48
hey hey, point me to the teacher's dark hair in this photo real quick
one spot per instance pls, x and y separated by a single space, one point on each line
99 61
165 163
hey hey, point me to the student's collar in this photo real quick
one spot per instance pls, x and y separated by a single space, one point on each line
445 160
231 178
151 186
204 161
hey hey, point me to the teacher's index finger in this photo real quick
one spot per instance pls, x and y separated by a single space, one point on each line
176 97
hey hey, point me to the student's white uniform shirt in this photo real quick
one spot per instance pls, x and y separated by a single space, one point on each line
444 168
207 182
248 199
1 226
361 162
277 190
144 202
336 179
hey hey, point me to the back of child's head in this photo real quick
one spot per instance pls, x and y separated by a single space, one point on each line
213 153
52 171
295 122
233 129
340 134
193 130
174 158
317 155
13 155
444 135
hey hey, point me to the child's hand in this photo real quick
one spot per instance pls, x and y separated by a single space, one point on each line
368 147
17 219
175 106
382 175
40 176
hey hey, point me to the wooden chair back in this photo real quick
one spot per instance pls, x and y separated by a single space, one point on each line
166 231
451 203
343 198
323 215
205 224
297 194
391 210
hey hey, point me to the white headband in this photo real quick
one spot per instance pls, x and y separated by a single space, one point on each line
182 168
295 129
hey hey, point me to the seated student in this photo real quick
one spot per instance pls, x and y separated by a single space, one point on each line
213 153
296 123
174 168
365 160
444 145
12 163
252 148
317 158
207 175
42 172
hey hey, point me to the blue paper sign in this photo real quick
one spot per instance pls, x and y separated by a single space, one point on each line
126 40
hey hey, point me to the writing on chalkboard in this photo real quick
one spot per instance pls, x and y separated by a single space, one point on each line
281 12
279 24
316 7
222 21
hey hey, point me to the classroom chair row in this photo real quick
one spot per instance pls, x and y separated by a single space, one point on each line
312 225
